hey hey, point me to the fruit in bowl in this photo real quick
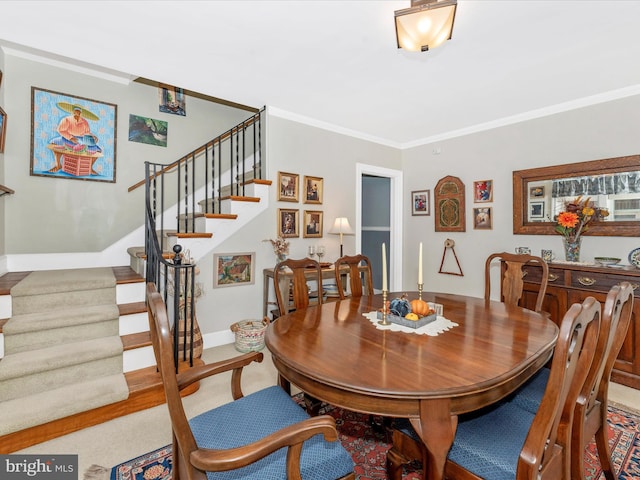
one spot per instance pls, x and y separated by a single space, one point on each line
607 260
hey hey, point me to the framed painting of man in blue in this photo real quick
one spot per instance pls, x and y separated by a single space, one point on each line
72 137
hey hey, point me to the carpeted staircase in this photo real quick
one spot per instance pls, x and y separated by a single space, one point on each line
63 353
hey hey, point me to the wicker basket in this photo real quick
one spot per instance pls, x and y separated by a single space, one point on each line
250 334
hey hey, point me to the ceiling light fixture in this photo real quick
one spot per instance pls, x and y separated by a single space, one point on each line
425 25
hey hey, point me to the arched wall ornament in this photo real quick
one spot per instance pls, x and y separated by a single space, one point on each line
449 205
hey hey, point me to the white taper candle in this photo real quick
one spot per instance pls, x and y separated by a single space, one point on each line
384 267
420 265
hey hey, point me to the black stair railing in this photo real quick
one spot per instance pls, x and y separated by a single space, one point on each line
175 195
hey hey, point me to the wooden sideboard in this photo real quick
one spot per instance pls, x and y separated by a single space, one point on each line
571 283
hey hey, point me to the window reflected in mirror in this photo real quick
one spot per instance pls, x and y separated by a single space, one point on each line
618 193
613 184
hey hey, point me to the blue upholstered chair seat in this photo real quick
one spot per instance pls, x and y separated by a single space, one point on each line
242 421
529 396
505 424
489 444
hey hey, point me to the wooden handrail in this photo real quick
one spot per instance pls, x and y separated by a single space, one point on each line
197 151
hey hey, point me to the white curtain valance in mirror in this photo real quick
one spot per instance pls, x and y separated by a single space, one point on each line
613 184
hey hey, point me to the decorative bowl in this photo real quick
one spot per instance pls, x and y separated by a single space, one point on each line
607 260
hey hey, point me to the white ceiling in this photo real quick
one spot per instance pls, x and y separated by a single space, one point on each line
335 63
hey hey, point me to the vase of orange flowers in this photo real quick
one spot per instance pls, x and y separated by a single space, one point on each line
574 221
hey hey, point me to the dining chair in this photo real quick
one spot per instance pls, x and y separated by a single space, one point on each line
505 441
511 282
359 275
300 294
590 416
261 435
298 289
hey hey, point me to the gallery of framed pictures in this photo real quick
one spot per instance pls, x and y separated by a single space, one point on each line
234 269
312 224
288 222
72 137
420 204
288 187
313 188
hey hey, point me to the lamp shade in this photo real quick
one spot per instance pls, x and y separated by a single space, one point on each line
427 24
341 226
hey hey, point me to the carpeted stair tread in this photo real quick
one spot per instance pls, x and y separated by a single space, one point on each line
33 322
58 281
25 412
51 358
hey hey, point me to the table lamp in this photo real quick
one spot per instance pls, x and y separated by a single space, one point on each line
341 227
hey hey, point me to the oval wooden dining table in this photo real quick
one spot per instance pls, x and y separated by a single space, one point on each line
335 354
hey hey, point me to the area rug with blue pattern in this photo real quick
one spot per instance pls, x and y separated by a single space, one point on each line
367 439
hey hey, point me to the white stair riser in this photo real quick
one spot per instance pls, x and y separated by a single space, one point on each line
134 323
138 358
130 292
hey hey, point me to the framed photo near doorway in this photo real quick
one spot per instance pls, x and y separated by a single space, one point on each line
420 204
72 137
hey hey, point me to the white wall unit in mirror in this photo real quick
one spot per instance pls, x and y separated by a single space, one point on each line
539 194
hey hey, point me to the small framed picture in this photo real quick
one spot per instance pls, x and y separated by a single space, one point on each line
171 100
233 269
482 218
536 192
3 129
312 224
420 204
312 189
288 187
483 191
288 222
536 210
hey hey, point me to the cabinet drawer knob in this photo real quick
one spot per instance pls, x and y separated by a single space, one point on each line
552 277
586 281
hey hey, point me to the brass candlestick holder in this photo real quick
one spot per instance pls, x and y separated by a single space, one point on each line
420 285
385 320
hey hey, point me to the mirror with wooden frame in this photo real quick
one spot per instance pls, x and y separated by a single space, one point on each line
539 194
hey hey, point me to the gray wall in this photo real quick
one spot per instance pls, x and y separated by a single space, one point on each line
53 215
305 150
601 131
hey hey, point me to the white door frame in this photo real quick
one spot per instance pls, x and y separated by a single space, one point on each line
395 249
